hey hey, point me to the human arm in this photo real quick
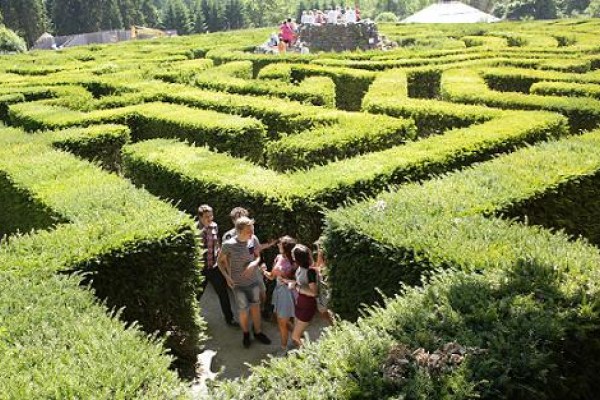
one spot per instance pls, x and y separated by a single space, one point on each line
276 271
311 289
223 263
251 266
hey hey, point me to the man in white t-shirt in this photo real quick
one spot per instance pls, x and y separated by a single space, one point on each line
331 17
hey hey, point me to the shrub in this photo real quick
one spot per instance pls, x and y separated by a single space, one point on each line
386 17
515 295
10 42
138 254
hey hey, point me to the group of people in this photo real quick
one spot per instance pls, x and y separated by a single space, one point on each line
236 265
336 15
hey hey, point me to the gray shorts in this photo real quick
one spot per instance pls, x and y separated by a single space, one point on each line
246 296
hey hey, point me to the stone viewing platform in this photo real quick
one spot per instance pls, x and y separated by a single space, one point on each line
339 37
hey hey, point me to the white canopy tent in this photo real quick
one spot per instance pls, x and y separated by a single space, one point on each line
449 12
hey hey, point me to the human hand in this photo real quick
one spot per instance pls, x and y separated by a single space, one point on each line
229 282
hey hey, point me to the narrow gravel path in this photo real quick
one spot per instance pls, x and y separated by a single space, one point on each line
231 356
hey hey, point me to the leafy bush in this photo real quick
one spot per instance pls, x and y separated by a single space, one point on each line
10 42
466 86
386 17
517 295
138 254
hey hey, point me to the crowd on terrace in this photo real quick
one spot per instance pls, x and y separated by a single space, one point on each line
294 286
288 37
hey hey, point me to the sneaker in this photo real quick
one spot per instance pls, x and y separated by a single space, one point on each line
232 322
246 340
281 352
261 337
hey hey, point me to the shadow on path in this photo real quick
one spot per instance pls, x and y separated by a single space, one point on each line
227 340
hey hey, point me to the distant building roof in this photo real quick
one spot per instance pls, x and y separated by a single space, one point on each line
449 12
44 42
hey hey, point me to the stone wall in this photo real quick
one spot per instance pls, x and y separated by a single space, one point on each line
339 37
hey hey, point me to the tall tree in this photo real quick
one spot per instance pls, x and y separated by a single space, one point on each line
522 9
267 12
197 16
111 15
300 8
150 14
593 10
234 15
76 16
177 16
214 20
26 17
131 13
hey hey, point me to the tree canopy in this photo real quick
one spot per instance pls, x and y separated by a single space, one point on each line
30 18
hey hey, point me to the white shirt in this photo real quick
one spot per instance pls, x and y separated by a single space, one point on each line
350 16
332 17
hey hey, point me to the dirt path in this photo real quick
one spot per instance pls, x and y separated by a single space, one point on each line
227 340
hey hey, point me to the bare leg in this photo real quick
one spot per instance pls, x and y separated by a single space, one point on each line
299 328
282 323
255 313
244 320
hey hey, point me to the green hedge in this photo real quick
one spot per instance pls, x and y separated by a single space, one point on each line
355 133
532 312
184 71
350 85
99 143
219 80
241 136
389 95
466 86
138 254
566 89
259 61
279 116
292 203
520 80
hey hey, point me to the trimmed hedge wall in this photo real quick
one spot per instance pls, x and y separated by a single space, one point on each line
138 254
566 89
235 77
466 86
531 307
292 203
389 95
354 134
244 137
350 85
99 143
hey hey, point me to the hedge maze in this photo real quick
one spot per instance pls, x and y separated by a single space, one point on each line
455 181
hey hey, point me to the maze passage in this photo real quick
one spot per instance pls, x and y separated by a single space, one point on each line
439 174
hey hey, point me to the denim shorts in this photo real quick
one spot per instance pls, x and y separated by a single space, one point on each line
246 296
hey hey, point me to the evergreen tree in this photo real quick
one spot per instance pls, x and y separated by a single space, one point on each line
523 9
299 10
261 13
131 13
214 21
197 16
205 7
233 15
111 15
27 18
593 10
150 14
176 16
76 16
